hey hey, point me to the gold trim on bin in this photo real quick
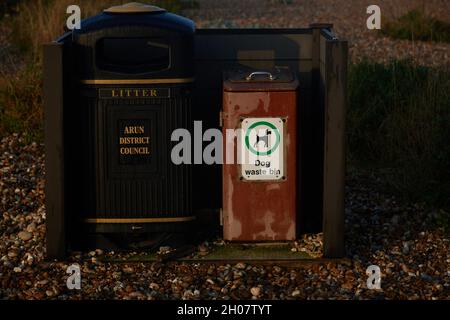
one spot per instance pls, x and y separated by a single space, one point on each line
138 81
139 220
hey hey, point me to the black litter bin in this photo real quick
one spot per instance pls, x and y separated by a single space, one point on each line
128 77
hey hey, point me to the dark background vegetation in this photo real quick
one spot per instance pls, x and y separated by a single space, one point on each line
398 113
416 25
399 125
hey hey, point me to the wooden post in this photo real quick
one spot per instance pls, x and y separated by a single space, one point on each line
54 150
334 148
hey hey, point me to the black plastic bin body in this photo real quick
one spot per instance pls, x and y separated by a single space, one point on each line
131 77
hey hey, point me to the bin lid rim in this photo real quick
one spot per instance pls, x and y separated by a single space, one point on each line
135 7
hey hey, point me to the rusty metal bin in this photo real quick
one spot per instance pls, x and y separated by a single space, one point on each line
259 187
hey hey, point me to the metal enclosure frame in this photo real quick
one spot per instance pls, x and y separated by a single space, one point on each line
321 62
333 78
320 59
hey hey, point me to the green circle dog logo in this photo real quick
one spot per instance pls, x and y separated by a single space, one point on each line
258 138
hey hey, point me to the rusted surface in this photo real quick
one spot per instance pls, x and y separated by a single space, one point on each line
260 210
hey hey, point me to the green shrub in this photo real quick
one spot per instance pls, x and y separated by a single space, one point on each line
415 25
399 120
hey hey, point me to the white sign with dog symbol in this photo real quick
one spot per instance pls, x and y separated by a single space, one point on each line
262 149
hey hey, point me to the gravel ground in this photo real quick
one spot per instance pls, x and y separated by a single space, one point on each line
400 238
348 18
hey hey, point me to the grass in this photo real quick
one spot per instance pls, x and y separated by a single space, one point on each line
254 252
399 122
230 252
416 25
21 108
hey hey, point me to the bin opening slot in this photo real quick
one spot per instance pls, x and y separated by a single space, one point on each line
132 55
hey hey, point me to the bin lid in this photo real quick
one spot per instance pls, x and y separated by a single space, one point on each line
277 79
136 14
134 7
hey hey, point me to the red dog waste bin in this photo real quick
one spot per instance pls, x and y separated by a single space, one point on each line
259 173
